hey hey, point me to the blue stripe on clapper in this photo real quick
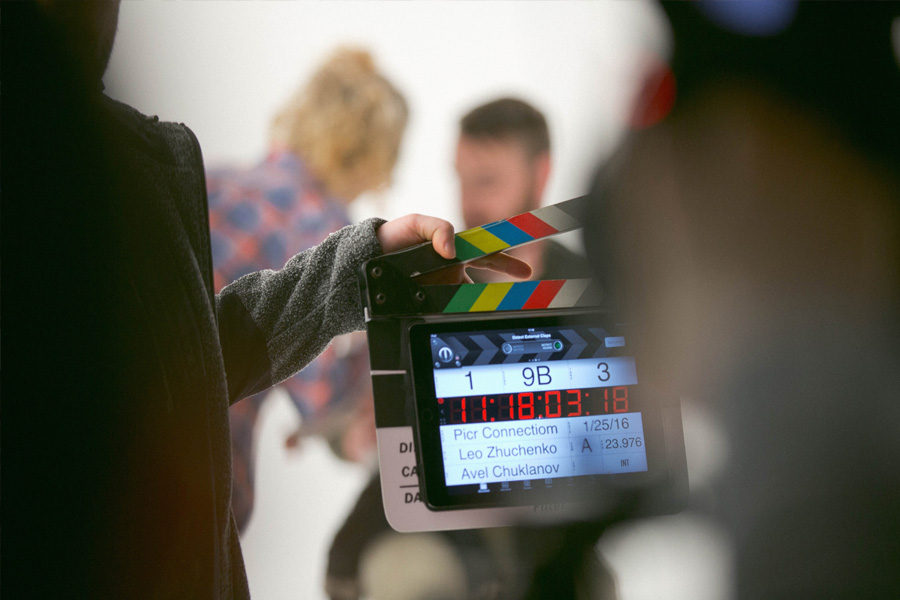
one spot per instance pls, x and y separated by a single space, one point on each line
518 295
508 232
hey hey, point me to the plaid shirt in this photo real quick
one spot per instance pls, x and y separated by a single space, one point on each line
259 218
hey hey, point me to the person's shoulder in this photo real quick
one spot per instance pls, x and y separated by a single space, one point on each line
128 114
162 141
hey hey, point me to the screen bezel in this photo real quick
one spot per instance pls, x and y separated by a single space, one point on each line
438 496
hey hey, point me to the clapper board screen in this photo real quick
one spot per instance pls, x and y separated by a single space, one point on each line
528 410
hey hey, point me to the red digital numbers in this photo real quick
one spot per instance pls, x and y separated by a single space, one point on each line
576 403
620 404
552 411
532 405
619 399
458 413
511 408
526 405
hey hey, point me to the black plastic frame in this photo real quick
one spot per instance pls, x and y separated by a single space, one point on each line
599 489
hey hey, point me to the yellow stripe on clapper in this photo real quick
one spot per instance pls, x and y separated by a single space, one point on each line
491 297
484 240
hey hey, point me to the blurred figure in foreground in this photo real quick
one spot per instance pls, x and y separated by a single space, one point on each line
338 137
503 163
754 235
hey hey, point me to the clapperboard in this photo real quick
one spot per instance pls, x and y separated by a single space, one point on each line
503 403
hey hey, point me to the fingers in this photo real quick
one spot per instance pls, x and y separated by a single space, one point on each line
503 263
441 235
414 229
446 276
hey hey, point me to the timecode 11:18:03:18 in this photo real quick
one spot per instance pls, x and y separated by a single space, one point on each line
530 405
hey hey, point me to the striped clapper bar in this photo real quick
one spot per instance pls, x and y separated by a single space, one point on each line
524 295
393 300
519 230
389 290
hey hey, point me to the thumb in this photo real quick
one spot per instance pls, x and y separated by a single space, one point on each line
414 229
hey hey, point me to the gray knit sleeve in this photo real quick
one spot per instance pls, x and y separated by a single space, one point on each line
295 312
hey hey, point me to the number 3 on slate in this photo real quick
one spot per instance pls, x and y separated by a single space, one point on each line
604 372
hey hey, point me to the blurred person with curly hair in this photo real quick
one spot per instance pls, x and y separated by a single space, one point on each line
336 138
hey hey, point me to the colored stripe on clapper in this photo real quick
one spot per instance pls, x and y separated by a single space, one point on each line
491 297
479 242
518 295
520 229
569 293
543 294
524 295
464 297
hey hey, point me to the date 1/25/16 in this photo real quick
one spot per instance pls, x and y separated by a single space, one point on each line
531 405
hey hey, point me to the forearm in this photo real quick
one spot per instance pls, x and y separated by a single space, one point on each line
272 323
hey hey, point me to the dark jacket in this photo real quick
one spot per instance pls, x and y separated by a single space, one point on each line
116 440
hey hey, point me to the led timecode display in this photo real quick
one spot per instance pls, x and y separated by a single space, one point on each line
523 406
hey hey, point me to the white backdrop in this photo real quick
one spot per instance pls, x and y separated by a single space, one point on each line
224 68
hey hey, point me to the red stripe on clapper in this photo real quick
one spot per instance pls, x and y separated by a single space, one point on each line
543 294
533 226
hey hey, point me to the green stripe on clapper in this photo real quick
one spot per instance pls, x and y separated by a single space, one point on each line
465 250
464 297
